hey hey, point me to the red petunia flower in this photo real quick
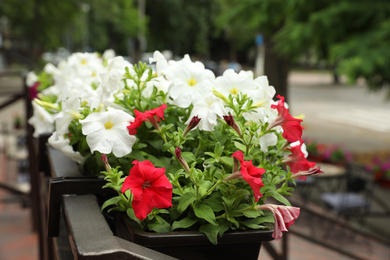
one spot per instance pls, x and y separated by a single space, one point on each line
147 116
150 188
297 160
284 217
250 173
292 129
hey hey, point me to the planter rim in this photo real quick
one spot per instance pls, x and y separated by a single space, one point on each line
180 238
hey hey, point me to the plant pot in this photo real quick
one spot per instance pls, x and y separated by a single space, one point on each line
193 244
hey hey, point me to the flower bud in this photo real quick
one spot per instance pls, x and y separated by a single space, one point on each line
221 96
194 122
105 162
181 160
230 121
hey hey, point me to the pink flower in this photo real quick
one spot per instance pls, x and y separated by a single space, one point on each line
250 173
297 160
150 188
147 116
292 129
284 217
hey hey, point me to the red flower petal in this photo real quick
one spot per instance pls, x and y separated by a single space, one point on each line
251 174
146 116
150 188
292 129
297 160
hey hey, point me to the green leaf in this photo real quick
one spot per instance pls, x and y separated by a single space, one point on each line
130 213
184 223
205 212
188 157
254 223
227 160
185 201
223 226
159 225
209 161
279 197
112 201
228 201
240 146
211 232
252 213
215 202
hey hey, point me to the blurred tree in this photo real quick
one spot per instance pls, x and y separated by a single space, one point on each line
352 35
39 22
113 24
78 25
246 18
180 26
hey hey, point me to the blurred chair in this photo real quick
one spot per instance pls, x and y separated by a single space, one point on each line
352 203
305 187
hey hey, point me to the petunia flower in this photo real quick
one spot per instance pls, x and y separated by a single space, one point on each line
297 160
31 79
284 217
42 121
61 143
269 139
106 132
112 75
150 188
208 108
232 83
70 111
292 129
147 116
250 173
190 81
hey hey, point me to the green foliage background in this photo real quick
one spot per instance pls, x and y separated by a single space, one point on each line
350 36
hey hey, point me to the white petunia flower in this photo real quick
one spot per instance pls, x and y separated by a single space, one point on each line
51 69
31 79
70 110
112 76
42 121
59 142
161 62
232 83
160 83
262 100
108 54
267 140
190 81
107 132
208 109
